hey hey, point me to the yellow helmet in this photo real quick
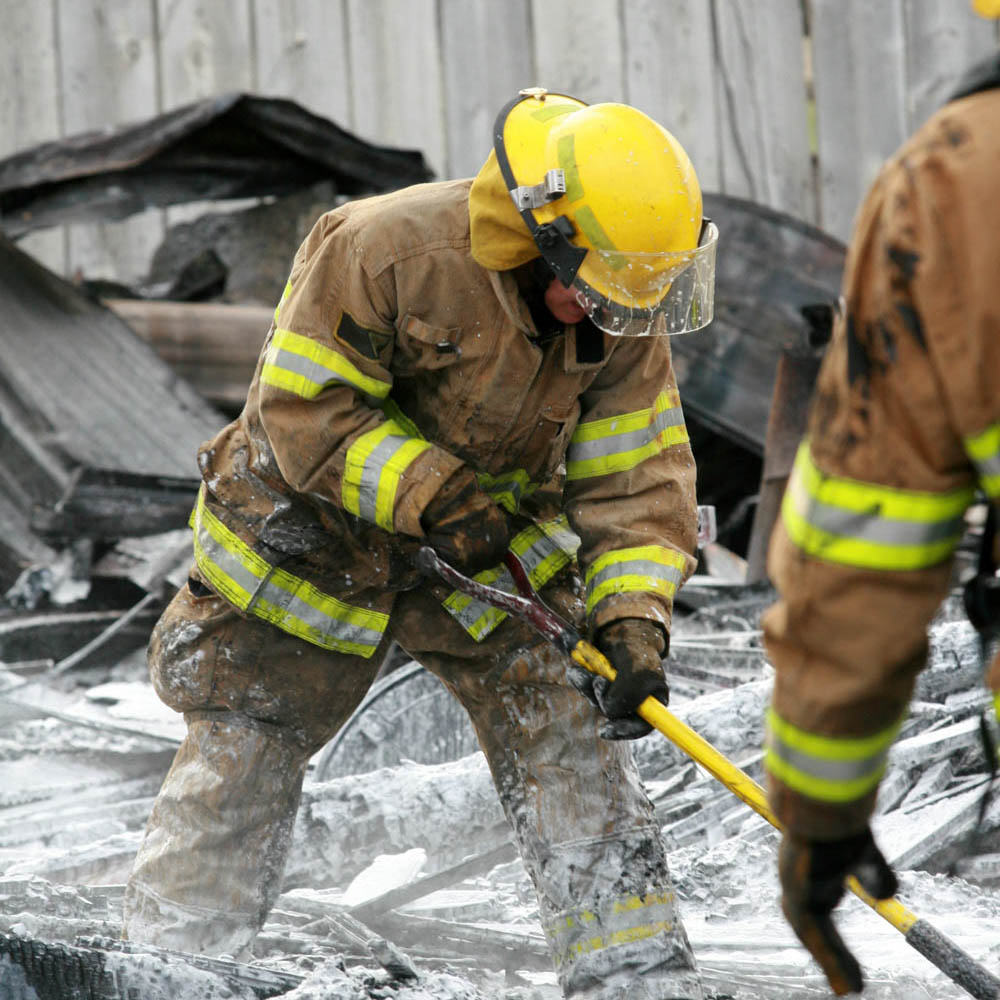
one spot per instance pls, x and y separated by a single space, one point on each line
615 208
987 8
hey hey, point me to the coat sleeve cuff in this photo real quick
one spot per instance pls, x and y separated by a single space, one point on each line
810 819
419 484
618 606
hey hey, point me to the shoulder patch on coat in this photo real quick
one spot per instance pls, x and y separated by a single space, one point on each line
368 343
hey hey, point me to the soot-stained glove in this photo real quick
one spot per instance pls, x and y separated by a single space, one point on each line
635 648
464 526
812 882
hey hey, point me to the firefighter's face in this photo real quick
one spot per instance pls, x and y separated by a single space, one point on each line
561 302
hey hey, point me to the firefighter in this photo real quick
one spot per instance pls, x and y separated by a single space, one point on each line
478 365
904 429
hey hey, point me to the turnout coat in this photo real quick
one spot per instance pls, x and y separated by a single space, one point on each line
904 430
394 359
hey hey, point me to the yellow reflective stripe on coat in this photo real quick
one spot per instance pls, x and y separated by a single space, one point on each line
247 580
868 526
305 367
617 444
507 489
617 922
984 451
376 461
543 549
826 768
643 569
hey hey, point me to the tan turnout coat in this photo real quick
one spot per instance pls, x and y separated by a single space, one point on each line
905 426
393 360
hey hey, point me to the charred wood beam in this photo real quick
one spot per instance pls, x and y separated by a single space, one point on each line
41 699
106 504
244 980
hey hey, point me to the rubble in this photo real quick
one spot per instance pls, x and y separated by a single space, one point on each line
77 792
229 146
403 881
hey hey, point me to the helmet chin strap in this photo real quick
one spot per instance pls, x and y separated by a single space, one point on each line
553 239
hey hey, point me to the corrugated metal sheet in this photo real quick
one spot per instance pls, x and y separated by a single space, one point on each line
96 393
79 388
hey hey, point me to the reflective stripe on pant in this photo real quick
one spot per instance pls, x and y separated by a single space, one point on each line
584 824
582 819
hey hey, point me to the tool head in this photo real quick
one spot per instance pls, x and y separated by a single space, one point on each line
427 561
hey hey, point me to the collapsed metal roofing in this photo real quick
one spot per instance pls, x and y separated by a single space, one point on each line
403 879
79 390
233 146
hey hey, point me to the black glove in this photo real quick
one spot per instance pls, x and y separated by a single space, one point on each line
812 882
635 648
464 526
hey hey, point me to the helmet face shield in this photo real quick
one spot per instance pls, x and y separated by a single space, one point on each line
650 294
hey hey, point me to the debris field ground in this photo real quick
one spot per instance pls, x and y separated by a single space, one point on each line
82 753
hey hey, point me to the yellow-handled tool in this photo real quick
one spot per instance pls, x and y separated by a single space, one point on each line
955 963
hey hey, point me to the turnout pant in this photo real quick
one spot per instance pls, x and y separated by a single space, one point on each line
259 703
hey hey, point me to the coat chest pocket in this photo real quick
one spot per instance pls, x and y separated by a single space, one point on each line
426 347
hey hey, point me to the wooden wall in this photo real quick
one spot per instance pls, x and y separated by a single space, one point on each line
793 103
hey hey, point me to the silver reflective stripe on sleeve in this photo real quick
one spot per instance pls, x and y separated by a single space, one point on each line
643 569
305 367
543 549
376 462
619 443
292 603
826 768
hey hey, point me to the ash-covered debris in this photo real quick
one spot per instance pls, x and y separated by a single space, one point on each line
405 865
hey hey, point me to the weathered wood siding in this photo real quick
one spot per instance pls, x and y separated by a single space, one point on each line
793 103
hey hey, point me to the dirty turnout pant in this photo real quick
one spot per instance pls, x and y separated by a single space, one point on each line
259 703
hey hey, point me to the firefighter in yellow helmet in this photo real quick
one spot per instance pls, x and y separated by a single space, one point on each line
903 433
446 367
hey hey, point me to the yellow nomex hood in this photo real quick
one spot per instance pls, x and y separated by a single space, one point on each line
500 239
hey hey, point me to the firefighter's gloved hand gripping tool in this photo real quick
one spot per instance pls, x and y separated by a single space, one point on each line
529 607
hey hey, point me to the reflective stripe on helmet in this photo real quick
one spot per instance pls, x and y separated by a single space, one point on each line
620 443
617 922
375 463
644 569
305 367
868 526
543 549
984 451
826 768
294 605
